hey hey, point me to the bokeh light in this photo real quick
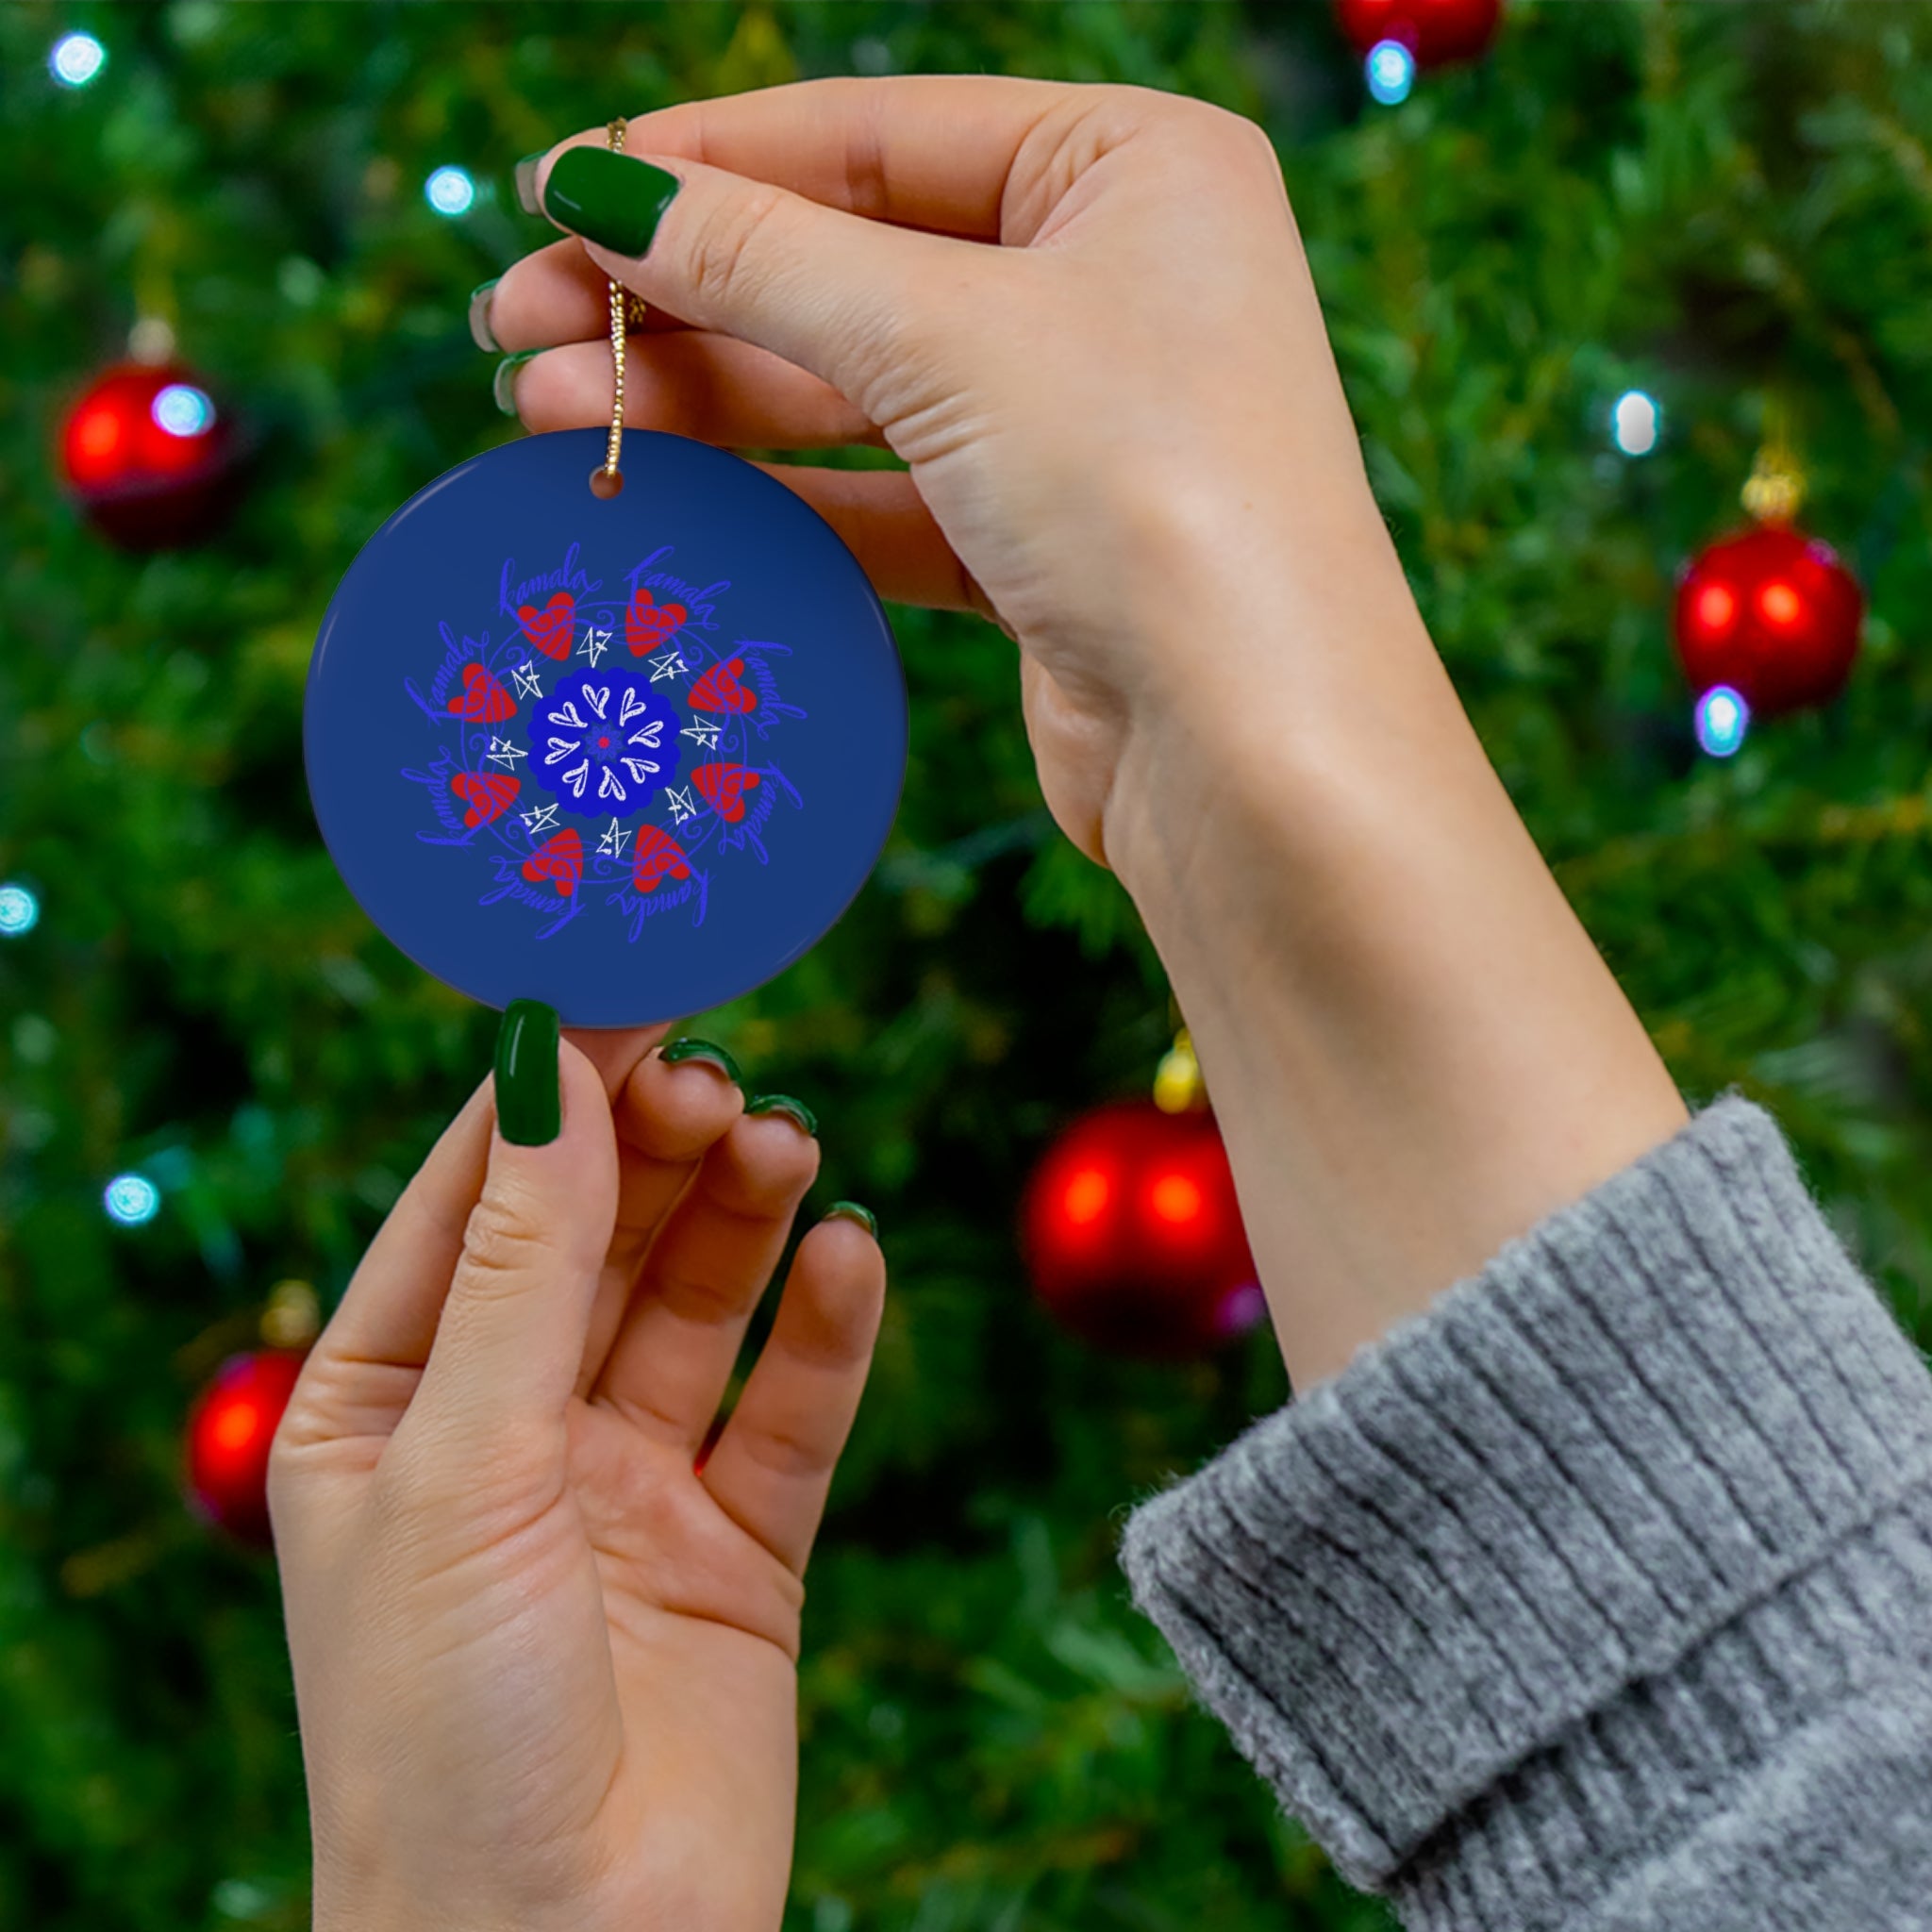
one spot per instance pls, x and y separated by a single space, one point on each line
1391 71
77 59
19 911
1088 1193
1636 423
450 191
132 1199
182 410
1722 719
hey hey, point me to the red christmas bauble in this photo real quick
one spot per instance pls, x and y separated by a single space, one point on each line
149 457
1133 1236
1773 614
229 1431
1435 31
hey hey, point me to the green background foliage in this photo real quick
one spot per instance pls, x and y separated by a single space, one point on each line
1722 204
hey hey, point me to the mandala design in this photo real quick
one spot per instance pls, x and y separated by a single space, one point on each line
580 784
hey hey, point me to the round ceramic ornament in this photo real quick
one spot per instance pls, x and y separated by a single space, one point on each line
628 753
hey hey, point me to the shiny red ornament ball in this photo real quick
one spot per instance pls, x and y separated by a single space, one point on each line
150 456
229 1431
1133 1237
1435 31
1773 614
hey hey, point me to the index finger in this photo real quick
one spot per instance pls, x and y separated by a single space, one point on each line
931 151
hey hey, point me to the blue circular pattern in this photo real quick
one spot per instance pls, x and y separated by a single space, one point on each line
605 742
503 624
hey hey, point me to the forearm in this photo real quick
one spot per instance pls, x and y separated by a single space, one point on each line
1414 1049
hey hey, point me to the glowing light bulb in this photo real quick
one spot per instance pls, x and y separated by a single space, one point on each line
77 59
132 1199
19 911
1722 719
1636 423
450 191
182 410
1391 72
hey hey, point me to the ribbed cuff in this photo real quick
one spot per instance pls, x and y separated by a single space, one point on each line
1563 1549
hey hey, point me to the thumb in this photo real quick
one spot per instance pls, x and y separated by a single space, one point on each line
837 295
510 1339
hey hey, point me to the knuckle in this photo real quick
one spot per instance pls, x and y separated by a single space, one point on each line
725 250
500 1247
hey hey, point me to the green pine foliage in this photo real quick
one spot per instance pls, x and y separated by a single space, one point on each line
1722 205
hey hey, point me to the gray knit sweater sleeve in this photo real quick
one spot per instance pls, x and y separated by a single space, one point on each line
1600 1595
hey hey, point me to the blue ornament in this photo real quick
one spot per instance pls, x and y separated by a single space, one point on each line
631 756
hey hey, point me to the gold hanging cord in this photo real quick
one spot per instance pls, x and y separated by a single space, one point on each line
627 311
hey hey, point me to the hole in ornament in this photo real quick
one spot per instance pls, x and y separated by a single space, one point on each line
604 484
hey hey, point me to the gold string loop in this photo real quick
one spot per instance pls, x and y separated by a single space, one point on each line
627 311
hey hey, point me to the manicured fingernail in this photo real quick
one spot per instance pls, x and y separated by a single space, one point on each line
526 184
707 1051
608 198
530 1100
851 1210
480 331
794 1110
503 385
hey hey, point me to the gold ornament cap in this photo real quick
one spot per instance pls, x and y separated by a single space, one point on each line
1774 492
1178 1084
293 1318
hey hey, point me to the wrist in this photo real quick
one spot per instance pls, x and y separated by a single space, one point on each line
1414 1050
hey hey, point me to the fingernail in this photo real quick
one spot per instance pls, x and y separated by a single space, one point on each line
480 331
610 199
851 1210
503 385
529 1098
794 1110
707 1051
526 184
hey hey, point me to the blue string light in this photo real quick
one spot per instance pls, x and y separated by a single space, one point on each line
1636 423
132 1199
1722 719
182 410
450 191
77 59
1391 72
19 911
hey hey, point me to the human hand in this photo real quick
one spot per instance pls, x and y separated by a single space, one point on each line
544 1668
1127 400
1126 440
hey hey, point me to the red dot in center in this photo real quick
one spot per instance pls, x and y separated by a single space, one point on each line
603 743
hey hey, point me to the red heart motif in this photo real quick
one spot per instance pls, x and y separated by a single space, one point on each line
551 628
484 700
724 787
719 689
561 859
647 623
488 794
657 854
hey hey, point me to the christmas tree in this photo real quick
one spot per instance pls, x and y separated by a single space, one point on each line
1721 212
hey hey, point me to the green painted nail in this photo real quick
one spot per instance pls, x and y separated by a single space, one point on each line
503 385
608 198
707 1051
851 1210
480 331
525 177
529 1098
794 1110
